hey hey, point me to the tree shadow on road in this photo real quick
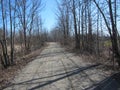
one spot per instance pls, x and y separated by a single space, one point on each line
71 73
60 77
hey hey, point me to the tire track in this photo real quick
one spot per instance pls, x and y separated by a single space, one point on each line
73 63
67 75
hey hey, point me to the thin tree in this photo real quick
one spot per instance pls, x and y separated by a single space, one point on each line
77 41
11 33
5 60
112 30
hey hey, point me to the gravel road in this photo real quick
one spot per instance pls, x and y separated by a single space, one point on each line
57 69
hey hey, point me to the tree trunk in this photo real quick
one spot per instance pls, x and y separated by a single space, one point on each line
77 41
114 34
3 42
11 36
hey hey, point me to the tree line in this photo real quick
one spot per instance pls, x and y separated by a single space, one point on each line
89 23
21 24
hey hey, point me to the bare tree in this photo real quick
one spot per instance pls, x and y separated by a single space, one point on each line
112 29
11 33
64 20
21 17
5 60
77 41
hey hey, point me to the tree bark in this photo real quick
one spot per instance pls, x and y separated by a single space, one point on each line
77 41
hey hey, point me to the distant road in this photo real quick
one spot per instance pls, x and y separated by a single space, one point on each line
57 69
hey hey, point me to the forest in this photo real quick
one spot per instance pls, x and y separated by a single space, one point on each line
21 29
90 26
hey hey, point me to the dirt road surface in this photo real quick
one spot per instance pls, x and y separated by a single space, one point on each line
57 69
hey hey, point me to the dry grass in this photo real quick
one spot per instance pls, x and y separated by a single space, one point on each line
6 75
16 47
105 58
